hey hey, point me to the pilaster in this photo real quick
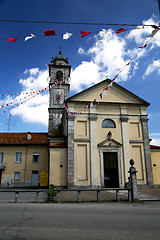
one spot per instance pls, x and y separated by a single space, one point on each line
125 141
147 153
93 150
70 151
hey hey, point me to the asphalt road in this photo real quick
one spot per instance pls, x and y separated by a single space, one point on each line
93 221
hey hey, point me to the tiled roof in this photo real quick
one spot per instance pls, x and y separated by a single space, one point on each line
154 147
21 139
58 145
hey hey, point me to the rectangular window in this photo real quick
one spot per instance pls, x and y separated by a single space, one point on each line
35 157
18 157
1 159
17 176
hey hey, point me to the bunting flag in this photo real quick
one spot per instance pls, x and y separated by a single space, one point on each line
67 35
121 30
128 63
29 37
153 33
12 39
84 33
103 32
155 27
145 45
29 95
50 33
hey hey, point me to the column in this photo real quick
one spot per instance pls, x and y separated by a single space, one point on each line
93 150
147 153
70 151
125 145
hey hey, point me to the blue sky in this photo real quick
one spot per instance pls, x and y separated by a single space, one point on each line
23 64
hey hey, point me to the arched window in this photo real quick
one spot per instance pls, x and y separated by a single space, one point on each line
108 123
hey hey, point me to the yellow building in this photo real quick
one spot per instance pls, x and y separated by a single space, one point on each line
155 157
23 157
110 129
91 138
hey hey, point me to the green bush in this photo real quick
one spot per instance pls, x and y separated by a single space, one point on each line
52 193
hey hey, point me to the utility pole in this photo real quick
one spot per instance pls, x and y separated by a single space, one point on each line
9 120
159 5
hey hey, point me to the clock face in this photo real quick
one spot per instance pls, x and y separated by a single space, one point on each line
59 75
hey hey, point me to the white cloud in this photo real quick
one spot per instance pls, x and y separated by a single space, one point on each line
155 66
81 51
140 35
108 56
37 79
34 110
155 139
86 74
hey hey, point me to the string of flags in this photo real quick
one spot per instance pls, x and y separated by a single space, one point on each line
29 96
101 95
67 35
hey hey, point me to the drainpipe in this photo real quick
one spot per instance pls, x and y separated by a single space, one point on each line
25 165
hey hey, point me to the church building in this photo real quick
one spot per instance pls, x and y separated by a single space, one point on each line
91 137
93 149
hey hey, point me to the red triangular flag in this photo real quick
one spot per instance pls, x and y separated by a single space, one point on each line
121 30
84 34
49 33
12 39
155 27
145 45
105 88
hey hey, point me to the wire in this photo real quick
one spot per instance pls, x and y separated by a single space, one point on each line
75 23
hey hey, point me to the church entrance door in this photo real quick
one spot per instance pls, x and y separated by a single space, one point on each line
111 178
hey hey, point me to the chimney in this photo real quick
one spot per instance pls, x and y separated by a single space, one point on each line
29 136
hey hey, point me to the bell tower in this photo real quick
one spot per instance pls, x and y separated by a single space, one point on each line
59 73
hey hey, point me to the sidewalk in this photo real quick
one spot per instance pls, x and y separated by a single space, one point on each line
149 194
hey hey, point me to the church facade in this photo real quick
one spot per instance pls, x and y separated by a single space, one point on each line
93 149
87 150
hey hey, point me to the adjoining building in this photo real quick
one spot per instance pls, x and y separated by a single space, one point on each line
90 150
23 158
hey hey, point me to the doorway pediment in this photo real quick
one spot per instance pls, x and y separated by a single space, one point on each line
109 142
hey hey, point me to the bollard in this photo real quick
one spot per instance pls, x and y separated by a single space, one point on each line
98 196
133 178
58 196
117 196
16 197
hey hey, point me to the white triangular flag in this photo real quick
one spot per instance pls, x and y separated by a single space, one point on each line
103 32
110 85
91 104
29 37
67 35
104 93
